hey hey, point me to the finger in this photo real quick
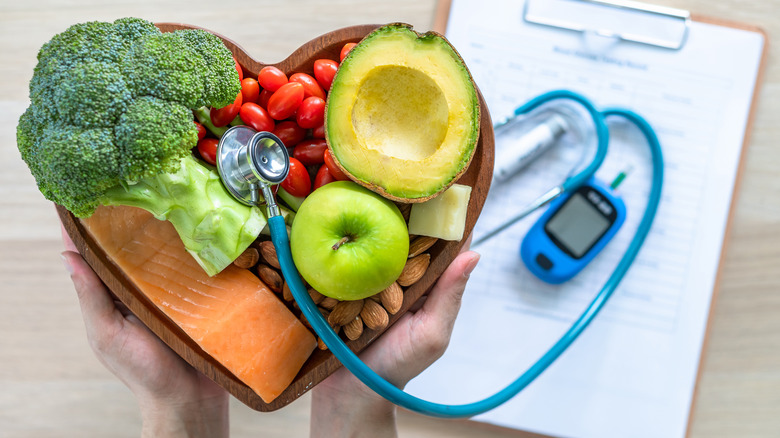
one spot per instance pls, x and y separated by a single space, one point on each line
97 305
467 244
421 301
443 302
67 241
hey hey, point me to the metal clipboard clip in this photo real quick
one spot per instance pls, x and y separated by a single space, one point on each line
614 19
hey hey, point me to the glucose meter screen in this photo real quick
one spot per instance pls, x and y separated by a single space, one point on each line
577 225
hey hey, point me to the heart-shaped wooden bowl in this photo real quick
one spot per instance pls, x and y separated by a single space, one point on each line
321 363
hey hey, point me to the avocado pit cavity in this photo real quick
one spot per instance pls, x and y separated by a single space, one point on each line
400 112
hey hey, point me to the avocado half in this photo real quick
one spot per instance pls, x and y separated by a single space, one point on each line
402 116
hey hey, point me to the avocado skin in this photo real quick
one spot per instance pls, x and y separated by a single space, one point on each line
384 122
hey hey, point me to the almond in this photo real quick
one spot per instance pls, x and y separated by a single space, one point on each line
270 277
345 311
392 298
420 244
328 303
268 252
374 315
321 344
414 269
316 296
287 293
248 258
354 328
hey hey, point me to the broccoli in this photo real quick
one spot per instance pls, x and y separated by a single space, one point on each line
110 122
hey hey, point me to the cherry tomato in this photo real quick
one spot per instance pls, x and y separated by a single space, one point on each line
324 71
319 131
250 90
345 50
311 152
335 170
311 113
271 78
310 85
285 101
207 148
255 116
323 177
201 130
265 95
223 116
239 69
298 182
289 133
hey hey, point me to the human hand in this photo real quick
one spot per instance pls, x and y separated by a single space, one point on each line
175 399
343 406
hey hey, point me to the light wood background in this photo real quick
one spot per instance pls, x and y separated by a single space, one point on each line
51 385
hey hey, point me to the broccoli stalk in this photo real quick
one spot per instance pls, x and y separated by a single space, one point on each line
213 228
111 122
203 114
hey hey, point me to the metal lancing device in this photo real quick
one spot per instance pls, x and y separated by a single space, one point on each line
517 145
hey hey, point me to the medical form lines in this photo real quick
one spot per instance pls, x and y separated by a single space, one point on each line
651 293
589 75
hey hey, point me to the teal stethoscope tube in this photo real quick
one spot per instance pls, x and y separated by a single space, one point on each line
384 388
600 125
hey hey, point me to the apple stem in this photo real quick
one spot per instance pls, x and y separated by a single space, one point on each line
338 244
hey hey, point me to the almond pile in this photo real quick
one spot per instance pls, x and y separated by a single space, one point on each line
349 318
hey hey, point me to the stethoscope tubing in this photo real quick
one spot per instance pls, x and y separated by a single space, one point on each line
602 132
401 398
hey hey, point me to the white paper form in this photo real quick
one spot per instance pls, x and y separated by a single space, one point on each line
632 373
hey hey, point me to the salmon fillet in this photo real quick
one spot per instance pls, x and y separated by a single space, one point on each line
233 316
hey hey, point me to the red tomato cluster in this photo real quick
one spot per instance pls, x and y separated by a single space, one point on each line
294 110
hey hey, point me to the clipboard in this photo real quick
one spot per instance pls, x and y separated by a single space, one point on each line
676 33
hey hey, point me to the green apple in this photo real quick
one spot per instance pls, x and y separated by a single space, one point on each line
348 242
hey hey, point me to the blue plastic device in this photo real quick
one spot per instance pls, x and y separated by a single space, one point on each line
575 228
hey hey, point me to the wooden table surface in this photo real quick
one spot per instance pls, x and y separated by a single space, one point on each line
51 385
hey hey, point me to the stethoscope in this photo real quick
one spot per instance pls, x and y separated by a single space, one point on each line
249 163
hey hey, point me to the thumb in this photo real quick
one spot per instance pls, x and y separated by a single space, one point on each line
443 302
419 338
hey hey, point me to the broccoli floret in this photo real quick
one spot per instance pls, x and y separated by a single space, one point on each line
95 41
218 87
150 135
129 29
186 66
102 95
110 121
165 66
79 163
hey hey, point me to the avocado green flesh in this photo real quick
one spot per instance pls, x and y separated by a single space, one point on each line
403 113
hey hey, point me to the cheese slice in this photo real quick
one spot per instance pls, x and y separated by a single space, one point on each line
444 216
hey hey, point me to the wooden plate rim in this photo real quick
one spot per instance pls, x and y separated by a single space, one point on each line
322 363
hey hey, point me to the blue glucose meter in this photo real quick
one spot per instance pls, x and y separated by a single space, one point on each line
572 231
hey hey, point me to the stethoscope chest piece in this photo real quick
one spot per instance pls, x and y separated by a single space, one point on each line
249 161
